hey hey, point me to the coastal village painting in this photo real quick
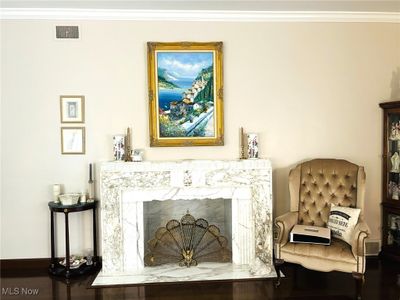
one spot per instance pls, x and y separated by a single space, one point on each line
185 83
183 90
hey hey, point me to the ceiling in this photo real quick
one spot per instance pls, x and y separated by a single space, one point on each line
223 5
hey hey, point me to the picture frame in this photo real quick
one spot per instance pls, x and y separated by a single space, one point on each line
185 94
73 140
252 146
137 155
72 109
119 147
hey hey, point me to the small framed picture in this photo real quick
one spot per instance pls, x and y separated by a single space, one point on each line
137 155
72 140
119 147
252 145
72 109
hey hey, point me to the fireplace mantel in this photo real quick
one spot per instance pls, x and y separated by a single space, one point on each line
125 186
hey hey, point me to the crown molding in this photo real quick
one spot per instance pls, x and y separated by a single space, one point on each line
196 15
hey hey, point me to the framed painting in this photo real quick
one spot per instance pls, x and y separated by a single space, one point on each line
72 109
72 140
185 94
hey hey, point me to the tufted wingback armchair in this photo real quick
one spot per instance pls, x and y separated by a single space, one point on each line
313 186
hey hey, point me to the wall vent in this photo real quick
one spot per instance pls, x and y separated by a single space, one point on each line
67 32
372 247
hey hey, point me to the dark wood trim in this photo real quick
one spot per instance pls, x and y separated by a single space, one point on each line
40 266
359 278
28 266
25 263
278 265
391 104
14 267
384 155
391 204
390 253
58 207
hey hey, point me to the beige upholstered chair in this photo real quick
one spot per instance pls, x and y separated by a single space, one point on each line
313 185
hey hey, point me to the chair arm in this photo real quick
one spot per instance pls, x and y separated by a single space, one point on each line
361 232
285 224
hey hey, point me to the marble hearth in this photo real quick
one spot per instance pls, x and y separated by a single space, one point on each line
125 187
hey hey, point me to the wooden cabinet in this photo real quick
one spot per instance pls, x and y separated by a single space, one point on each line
391 180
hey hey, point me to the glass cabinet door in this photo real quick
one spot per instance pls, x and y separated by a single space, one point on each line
393 225
391 181
393 157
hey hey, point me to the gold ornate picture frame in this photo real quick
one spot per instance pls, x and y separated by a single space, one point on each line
185 94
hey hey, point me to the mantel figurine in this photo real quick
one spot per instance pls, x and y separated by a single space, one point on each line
395 160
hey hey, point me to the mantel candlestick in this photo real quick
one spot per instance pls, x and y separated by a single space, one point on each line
241 142
128 153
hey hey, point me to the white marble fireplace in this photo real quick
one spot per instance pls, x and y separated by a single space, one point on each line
126 186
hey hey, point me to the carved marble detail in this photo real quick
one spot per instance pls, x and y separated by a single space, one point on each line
125 186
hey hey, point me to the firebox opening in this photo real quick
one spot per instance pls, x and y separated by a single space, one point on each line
187 232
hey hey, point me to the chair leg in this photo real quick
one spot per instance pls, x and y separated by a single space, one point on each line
278 263
359 278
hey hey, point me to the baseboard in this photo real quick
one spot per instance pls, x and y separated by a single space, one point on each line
14 267
27 266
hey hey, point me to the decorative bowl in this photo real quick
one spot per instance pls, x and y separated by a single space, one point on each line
74 262
69 199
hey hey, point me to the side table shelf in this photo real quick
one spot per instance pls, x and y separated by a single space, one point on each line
55 267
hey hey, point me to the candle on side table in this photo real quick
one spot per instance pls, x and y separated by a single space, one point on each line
56 192
90 172
83 197
91 182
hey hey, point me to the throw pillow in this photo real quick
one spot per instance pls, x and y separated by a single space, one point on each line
342 221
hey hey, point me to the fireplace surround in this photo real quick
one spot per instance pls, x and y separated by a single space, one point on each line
126 186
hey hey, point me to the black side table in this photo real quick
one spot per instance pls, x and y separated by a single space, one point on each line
55 267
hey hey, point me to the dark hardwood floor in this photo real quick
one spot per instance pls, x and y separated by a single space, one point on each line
382 282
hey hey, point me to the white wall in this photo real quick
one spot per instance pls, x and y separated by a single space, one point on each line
309 89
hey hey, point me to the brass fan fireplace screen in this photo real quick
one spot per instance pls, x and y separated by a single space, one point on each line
188 243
